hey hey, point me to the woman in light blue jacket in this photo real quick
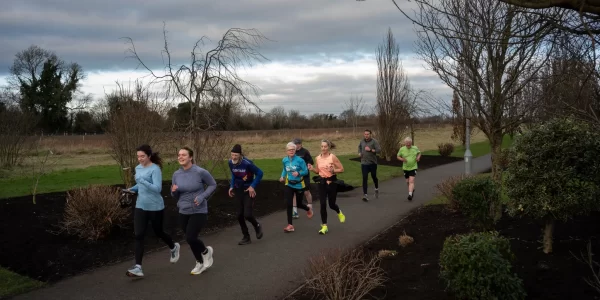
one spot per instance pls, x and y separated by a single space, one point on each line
149 206
293 173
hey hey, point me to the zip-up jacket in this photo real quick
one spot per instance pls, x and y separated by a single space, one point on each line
296 164
244 174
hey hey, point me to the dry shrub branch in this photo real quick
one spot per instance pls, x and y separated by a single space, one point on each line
91 212
338 274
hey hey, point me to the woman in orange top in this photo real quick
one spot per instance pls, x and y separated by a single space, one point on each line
327 165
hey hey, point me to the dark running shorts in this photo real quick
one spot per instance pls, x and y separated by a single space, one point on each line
411 173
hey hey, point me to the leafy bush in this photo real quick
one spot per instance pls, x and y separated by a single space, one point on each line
504 158
338 274
445 188
554 173
477 197
445 149
91 212
478 266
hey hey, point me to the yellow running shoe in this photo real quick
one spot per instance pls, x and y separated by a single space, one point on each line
341 217
324 229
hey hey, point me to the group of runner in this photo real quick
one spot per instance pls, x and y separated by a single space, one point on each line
193 185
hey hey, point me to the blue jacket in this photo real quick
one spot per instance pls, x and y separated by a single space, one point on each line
148 188
245 174
296 164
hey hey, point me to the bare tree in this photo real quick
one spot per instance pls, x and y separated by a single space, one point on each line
393 96
355 107
197 81
15 127
487 52
134 119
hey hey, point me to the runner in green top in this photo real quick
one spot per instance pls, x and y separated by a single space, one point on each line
410 156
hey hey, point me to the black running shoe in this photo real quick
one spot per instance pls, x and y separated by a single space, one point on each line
245 241
259 232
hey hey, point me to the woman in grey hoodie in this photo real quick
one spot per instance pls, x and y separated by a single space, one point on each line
188 189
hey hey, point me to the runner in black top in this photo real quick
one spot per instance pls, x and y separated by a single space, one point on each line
305 155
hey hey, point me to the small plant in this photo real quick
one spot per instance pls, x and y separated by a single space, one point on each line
445 188
405 240
344 275
478 266
91 212
386 253
477 197
445 149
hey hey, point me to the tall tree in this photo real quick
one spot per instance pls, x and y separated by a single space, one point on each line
47 85
394 97
197 81
486 52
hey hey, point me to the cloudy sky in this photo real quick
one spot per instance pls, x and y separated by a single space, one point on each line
320 53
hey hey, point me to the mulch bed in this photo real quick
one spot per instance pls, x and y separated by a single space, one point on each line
414 272
426 162
29 247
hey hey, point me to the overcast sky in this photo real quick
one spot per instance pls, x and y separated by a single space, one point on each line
321 51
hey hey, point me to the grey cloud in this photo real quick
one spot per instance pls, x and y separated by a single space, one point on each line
90 31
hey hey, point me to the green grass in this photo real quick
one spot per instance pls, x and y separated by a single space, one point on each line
13 284
477 149
108 175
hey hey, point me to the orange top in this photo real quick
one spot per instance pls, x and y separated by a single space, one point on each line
323 165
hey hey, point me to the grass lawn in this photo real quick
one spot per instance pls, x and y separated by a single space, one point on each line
477 149
67 179
12 283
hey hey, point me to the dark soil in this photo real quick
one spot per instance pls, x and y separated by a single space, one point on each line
426 162
414 272
29 247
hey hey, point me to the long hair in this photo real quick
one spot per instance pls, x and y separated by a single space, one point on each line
329 143
190 153
154 156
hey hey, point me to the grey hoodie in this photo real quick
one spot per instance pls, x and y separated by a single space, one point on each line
368 157
190 186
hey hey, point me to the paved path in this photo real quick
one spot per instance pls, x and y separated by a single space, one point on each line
267 269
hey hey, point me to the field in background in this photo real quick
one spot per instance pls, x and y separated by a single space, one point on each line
77 151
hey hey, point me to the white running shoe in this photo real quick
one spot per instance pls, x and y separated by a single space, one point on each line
207 259
135 271
197 269
175 253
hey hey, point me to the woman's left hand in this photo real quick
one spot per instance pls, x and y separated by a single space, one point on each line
196 201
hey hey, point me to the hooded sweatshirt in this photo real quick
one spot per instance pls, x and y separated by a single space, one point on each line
295 164
190 186
368 157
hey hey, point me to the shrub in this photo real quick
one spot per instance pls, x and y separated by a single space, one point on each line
405 240
477 196
478 266
91 212
344 275
504 159
554 173
445 188
445 149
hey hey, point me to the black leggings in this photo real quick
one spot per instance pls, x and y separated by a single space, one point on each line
288 195
191 226
140 222
327 192
245 207
366 169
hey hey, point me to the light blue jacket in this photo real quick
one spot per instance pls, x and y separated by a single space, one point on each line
296 164
148 187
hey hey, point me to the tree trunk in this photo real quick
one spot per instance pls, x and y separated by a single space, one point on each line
548 232
496 145
412 133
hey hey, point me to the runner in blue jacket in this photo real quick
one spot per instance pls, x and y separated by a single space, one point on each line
293 175
245 176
